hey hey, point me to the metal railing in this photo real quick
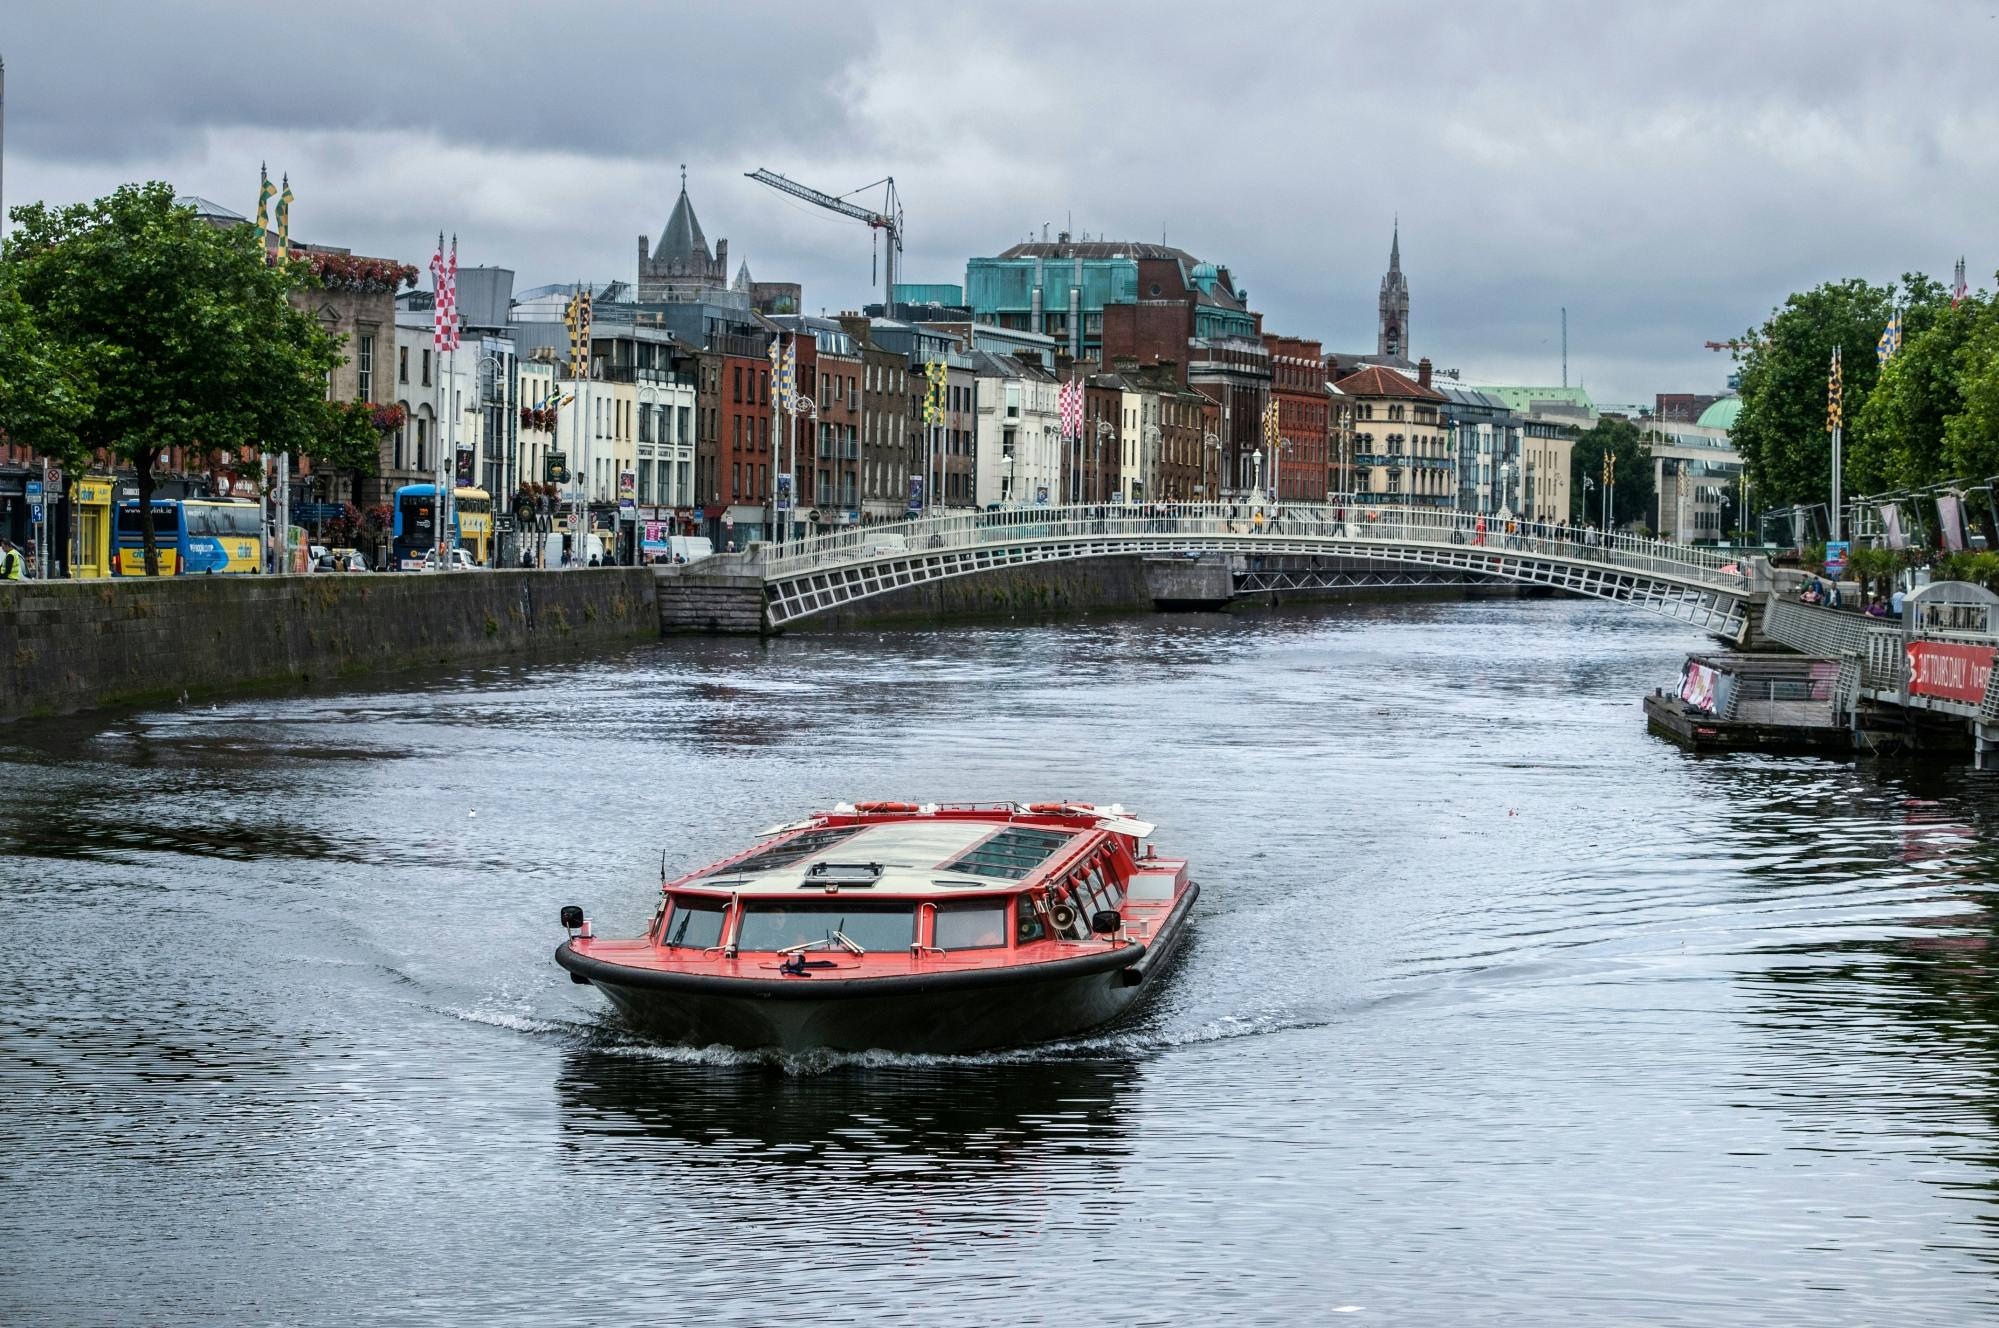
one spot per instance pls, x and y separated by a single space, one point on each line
1339 527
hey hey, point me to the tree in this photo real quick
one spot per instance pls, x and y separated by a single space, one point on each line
186 332
1781 432
1631 471
1895 438
46 390
1971 436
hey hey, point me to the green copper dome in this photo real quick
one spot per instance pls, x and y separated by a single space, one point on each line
1721 415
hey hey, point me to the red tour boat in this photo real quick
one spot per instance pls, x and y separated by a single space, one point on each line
905 928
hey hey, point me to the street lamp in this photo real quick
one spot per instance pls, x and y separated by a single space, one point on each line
1211 442
1104 430
1149 448
803 407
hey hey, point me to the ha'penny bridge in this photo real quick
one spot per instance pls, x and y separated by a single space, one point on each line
775 586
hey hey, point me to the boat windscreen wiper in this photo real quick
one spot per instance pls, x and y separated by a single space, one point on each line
848 941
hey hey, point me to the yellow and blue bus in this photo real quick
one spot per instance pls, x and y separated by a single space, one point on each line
195 537
413 531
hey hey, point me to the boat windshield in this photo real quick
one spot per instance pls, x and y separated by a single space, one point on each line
779 926
694 924
971 924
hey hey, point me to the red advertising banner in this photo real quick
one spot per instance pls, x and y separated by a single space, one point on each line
1953 672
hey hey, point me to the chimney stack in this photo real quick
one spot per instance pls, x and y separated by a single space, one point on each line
1423 371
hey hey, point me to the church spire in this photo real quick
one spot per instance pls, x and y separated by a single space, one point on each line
1392 337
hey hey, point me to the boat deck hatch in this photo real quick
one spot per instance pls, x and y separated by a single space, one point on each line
827 875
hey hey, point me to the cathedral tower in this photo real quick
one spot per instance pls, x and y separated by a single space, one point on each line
1392 339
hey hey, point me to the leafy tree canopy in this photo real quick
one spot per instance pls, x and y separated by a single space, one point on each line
1631 471
46 388
1781 432
153 329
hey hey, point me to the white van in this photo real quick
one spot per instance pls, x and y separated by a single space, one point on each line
552 550
689 548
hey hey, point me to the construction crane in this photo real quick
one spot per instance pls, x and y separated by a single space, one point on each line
889 219
1735 343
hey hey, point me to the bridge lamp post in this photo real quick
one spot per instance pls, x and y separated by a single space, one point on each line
1146 459
1589 483
1104 430
1210 442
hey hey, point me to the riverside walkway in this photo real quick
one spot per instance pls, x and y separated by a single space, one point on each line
1701 587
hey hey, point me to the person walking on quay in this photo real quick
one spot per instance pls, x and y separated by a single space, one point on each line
12 565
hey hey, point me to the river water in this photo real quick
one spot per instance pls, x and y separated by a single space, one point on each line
1497 1009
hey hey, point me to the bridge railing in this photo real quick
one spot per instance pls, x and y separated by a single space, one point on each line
1356 524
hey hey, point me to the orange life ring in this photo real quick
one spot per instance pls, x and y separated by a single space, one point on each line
1060 808
884 806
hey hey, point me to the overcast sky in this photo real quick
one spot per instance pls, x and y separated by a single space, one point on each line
1667 172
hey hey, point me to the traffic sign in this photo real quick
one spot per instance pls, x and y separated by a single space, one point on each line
34 490
35 514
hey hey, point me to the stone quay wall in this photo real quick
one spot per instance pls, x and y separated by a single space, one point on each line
70 645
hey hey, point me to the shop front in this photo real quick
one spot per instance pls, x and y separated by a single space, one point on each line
90 526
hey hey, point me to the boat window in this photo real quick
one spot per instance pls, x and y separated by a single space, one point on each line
778 926
694 924
1106 883
795 849
1011 854
971 924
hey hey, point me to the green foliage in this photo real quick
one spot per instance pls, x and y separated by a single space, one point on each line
46 389
1980 568
350 436
1631 469
1895 438
1971 437
1781 432
185 328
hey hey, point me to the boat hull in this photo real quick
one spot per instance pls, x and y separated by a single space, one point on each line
942 1012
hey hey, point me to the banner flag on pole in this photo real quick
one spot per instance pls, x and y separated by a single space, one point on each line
777 372
1949 511
451 286
437 294
264 194
1835 413
933 396
577 315
790 376
1071 402
1891 338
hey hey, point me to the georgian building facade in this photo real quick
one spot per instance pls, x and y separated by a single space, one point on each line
1402 452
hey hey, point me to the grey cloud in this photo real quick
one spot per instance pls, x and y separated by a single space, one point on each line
1667 172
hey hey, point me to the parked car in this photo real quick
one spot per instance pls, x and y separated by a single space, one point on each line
460 561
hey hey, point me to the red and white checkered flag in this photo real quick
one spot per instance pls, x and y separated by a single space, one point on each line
451 284
1072 409
444 284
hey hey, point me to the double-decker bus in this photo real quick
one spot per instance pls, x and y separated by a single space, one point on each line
195 537
413 530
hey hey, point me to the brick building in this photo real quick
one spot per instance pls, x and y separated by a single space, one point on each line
888 461
733 455
1298 386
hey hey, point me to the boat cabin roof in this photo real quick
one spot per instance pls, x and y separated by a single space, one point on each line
923 854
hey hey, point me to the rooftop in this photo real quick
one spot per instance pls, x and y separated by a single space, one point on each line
915 855
1722 414
1096 249
1377 381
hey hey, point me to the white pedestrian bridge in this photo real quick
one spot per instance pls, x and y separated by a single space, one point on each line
1702 587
